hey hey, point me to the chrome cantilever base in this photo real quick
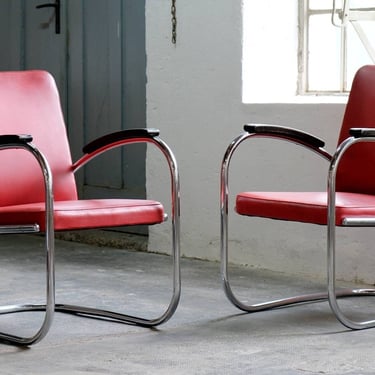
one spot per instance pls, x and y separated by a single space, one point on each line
50 306
113 316
295 300
332 293
78 310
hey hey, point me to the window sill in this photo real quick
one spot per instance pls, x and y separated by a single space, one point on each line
303 99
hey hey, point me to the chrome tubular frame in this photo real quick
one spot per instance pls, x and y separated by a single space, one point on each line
49 307
175 207
224 193
332 294
331 238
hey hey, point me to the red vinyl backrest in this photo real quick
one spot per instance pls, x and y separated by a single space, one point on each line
356 171
30 104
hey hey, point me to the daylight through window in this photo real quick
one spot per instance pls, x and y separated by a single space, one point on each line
304 47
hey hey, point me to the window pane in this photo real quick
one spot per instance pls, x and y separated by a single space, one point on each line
357 53
362 4
323 54
270 45
323 4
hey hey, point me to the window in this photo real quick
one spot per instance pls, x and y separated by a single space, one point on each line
270 50
336 43
304 47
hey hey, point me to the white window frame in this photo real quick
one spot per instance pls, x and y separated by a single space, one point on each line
277 55
342 17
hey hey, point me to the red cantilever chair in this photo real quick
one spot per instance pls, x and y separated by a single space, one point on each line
348 202
38 191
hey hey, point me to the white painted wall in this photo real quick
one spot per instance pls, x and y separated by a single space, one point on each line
194 98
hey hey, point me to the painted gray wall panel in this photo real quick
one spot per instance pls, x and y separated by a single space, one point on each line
11 26
43 48
102 85
101 77
134 103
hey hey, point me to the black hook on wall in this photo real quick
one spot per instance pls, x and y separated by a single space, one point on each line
57 6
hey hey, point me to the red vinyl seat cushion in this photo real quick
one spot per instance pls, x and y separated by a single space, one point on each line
78 214
306 207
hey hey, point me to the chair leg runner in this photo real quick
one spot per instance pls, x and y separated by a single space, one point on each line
43 330
294 300
129 319
175 204
349 323
331 295
225 274
50 305
118 317
48 308
224 251
331 276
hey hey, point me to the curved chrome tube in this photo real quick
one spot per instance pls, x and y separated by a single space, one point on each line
175 193
175 214
224 192
332 294
49 307
331 236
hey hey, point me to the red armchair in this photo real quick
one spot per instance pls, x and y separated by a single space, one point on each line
42 195
348 202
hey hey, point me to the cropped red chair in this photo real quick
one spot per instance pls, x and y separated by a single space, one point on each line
348 202
38 190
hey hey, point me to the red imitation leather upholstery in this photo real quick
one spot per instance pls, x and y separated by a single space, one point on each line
29 104
305 207
357 165
354 185
84 214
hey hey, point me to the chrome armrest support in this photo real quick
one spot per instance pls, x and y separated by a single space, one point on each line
254 130
131 136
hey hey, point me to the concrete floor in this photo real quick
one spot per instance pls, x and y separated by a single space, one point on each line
207 335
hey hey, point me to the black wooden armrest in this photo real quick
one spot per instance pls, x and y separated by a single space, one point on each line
284 132
15 138
119 136
362 132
